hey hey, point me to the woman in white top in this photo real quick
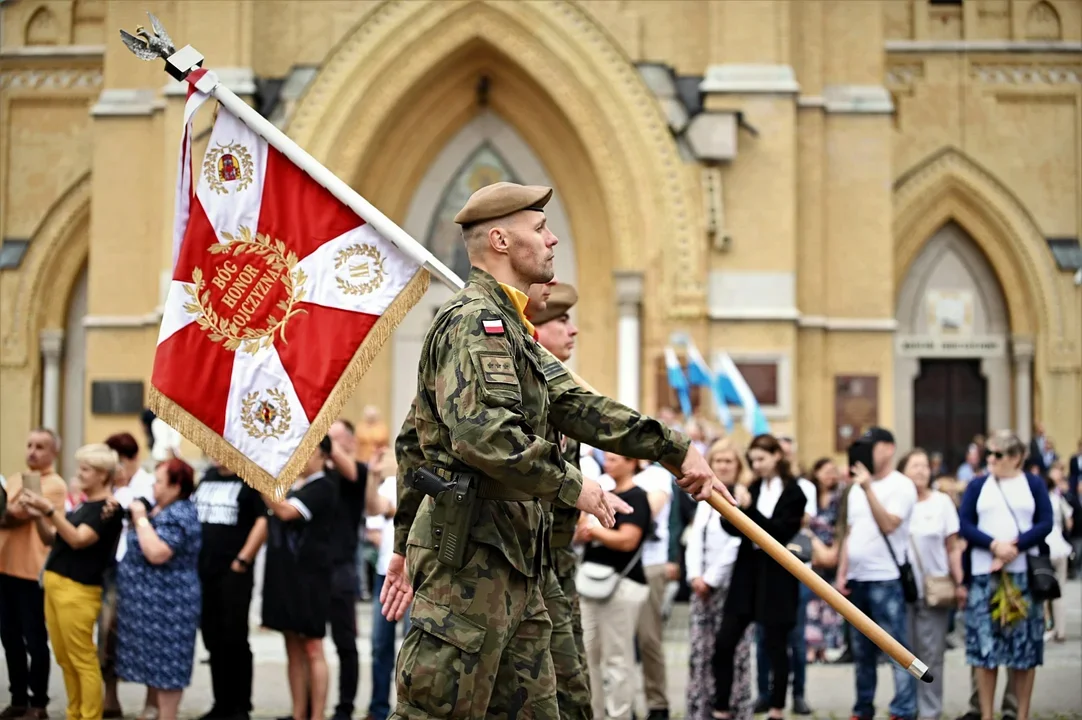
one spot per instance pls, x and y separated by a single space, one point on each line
937 553
1059 550
1004 516
710 555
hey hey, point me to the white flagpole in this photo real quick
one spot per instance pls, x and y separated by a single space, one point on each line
210 84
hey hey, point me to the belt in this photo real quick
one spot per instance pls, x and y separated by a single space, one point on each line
561 540
492 490
488 489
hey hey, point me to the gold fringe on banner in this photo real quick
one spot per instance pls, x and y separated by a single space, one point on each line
224 453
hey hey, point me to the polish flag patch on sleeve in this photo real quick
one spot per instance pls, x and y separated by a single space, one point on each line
492 327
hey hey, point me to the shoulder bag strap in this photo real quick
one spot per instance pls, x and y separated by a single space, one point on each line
890 548
638 554
1007 502
916 554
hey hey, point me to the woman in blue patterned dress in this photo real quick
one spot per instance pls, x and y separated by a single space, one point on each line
158 593
1005 517
824 629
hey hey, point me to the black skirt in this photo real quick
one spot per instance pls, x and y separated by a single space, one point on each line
296 596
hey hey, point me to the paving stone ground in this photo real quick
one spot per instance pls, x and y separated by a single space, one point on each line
1057 693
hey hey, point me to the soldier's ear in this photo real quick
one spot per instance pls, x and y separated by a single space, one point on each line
499 240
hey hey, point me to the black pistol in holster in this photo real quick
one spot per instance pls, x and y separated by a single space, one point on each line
456 511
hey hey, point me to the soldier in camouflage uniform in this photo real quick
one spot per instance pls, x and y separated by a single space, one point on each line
488 398
556 333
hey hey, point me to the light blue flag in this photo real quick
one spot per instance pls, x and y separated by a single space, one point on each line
700 375
754 419
677 381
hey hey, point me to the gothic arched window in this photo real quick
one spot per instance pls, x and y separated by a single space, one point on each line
484 166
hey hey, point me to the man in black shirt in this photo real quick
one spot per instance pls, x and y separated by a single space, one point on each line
355 500
234 519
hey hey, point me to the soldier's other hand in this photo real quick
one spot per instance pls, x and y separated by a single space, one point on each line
397 593
696 478
592 500
617 504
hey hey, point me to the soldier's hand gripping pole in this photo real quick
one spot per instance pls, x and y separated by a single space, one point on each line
820 587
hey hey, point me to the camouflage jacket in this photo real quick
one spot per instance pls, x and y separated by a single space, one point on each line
488 399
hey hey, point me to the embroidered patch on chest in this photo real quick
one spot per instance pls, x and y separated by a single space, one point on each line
492 327
498 369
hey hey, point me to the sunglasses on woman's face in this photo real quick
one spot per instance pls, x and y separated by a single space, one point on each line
998 455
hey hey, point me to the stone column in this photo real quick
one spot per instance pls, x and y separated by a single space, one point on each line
52 343
1022 349
629 337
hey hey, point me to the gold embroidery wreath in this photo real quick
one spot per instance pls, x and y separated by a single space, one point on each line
251 422
210 166
367 251
228 332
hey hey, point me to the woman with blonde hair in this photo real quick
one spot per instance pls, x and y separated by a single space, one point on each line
710 555
84 542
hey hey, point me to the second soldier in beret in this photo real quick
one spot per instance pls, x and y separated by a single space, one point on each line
478 444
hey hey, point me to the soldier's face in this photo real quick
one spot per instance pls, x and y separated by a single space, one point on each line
539 296
531 250
558 337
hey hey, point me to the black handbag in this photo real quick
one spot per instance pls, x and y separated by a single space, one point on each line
905 571
1043 585
801 546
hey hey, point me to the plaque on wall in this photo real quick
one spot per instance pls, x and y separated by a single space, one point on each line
950 312
116 397
856 407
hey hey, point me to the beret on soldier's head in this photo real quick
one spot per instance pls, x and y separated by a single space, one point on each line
562 298
502 199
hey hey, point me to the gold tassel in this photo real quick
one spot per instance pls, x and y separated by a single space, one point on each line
223 452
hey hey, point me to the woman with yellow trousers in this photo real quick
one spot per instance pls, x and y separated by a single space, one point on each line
84 545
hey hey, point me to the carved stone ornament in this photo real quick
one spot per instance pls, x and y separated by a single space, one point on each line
51 79
645 187
1028 74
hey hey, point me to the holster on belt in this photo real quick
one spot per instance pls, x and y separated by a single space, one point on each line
457 507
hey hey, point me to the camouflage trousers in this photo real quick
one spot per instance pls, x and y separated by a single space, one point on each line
478 644
568 649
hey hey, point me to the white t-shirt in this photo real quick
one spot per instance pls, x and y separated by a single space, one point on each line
587 464
934 520
711 552
811 494
994 511
141 485
869 558
1058 547
657 479
387 489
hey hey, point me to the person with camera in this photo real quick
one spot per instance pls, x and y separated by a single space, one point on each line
159 597
873 568
83 542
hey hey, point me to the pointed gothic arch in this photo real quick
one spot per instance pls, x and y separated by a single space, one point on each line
57 253
951 186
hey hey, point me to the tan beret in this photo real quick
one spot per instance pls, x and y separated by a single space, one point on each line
502 199
562 298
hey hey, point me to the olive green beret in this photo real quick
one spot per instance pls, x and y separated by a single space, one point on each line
562 298
502 199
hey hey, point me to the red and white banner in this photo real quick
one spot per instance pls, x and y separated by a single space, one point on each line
281 296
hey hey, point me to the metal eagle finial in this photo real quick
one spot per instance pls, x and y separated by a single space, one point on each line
148 46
